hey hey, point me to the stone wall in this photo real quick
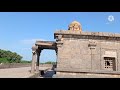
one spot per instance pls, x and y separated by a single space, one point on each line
86 50
75 54
17 65
14 65
85 75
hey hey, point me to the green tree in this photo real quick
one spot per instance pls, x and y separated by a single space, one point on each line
50 62
9 56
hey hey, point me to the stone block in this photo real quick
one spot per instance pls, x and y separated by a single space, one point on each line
88 33
100 33
96 33
117 35
83 33
111 34
105 34
96 62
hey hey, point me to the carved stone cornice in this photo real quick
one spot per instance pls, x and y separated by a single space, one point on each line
87 35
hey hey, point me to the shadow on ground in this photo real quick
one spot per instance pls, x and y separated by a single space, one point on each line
50 73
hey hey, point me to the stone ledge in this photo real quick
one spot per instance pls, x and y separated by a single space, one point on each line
14 65
68 32
71 70
85 75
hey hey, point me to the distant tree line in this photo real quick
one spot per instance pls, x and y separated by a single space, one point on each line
25 61
50 62
9 57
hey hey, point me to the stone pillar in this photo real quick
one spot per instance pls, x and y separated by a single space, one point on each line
38 57
56 50
59 44
92 46
33 61
34 48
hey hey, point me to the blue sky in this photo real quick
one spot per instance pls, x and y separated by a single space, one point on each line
20 30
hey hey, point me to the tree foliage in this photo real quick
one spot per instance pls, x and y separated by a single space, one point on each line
25 61
8 56
50 62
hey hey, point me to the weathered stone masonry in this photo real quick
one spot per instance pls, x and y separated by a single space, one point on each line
90 52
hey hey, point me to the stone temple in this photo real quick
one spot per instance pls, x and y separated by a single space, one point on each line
82 54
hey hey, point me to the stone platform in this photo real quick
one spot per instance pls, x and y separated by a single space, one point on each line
84 75
22 72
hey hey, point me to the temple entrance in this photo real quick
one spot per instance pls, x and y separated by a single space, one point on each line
38 49
48 56
48 60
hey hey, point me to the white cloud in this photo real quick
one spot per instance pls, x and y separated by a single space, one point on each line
30 41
